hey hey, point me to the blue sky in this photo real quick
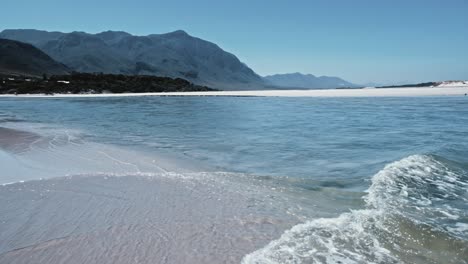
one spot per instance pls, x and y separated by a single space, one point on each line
358 40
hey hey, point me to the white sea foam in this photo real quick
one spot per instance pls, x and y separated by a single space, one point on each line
460 228
418 187
344 239
403 195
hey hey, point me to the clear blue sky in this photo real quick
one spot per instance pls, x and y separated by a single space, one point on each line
358 40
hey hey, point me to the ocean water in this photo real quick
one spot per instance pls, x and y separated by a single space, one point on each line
296 180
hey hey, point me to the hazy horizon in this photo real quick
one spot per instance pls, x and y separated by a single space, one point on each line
361 42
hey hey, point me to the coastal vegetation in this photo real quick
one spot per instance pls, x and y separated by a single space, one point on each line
92 83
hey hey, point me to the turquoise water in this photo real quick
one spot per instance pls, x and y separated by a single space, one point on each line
298 137
398 166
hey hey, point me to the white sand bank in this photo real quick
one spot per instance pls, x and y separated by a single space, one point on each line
379 92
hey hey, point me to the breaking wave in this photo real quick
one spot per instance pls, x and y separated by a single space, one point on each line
416 211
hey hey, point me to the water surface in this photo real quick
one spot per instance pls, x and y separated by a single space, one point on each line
355 180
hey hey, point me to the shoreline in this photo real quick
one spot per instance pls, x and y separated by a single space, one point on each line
84 195
377 92
122 214
110 199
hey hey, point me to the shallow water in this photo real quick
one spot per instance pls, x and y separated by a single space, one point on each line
278 180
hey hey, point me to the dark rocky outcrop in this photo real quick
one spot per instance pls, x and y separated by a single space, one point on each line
426 84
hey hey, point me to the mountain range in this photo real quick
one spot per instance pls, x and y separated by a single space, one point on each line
175 54
18 58
306 81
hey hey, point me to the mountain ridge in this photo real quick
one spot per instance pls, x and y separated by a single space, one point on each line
175 54
19 58
307 81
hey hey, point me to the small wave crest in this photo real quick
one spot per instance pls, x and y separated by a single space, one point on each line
422 188
415 213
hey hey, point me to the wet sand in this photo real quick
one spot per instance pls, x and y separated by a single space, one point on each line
143 215
99 219
15 140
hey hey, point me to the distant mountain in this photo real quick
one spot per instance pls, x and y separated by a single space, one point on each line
373 84
175 54
306 81
18 58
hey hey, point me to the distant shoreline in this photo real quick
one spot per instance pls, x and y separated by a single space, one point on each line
377 92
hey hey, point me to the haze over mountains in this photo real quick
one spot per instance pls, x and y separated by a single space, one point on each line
175 54
299 80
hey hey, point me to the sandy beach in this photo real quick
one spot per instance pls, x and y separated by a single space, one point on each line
372 92
131 219
131 211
